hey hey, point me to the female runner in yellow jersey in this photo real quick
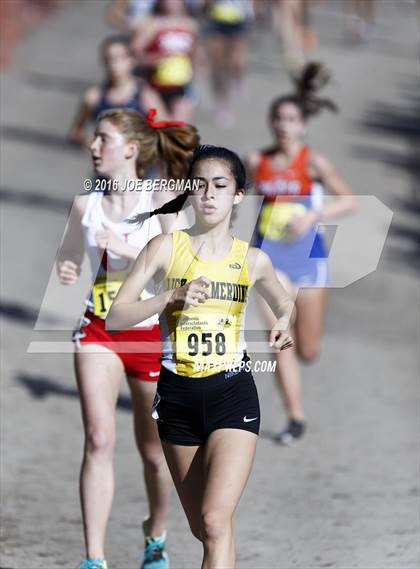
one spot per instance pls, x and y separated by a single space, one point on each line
206 405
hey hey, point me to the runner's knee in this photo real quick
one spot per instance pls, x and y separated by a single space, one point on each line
100 441
309 354
214 525
152 456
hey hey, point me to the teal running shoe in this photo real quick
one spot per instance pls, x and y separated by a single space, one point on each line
92 564
155 556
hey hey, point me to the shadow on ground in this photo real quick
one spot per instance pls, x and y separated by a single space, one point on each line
402 122
34 199
41 387
38 137
23 313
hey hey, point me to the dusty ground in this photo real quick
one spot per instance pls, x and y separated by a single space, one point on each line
348 495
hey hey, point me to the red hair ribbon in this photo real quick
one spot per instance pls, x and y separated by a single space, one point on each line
151 113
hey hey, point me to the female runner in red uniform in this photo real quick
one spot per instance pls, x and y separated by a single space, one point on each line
124 144
167 43
291 177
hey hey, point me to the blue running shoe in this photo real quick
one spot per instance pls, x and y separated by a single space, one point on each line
155 556
92 564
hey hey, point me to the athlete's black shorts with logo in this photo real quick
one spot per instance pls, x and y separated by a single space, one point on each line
188 410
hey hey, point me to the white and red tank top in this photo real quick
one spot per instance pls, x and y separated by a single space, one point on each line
108 267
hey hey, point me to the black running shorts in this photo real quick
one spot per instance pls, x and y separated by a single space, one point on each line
188 410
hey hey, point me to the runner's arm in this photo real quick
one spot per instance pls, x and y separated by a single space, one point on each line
77 133
269 287
73 246
150 99
72 250
334 183
126 309
141 38
251 164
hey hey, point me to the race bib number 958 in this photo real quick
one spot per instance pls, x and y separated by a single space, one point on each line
210 339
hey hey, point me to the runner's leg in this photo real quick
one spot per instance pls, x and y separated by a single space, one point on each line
310 311
156 473
287 365
228 458
187 471
99 378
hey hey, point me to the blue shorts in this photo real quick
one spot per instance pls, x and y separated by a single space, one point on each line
304 260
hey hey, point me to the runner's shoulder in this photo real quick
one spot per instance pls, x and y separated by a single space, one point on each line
257 261
319 163
161 243
80 203
160 250
253 160
92 96
190 23
256 254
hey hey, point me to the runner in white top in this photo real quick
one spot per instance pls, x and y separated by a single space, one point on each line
103 264
125 143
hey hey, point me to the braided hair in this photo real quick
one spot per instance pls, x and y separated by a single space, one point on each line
202 152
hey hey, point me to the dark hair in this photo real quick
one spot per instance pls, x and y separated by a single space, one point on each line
312 79
116 39
210 152
203 152
158 9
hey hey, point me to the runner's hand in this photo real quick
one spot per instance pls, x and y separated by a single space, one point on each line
299 225
68 272
193 293
280 340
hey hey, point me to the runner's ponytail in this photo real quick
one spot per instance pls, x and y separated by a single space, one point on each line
169 144
172 206
313 78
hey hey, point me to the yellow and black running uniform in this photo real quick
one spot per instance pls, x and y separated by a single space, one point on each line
205 381
201 340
